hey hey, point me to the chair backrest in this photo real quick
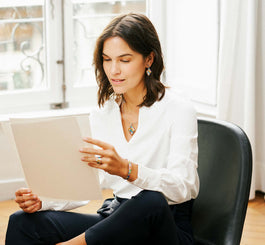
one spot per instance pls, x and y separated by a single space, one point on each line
225 168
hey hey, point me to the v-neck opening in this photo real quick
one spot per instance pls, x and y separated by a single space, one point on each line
121 126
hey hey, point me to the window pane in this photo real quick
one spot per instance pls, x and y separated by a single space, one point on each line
192 49
89 19
22 52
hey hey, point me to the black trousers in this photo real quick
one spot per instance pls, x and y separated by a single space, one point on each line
144 219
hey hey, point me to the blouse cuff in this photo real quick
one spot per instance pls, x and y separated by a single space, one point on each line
61 205
146 176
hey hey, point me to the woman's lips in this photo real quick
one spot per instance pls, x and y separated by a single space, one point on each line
117 81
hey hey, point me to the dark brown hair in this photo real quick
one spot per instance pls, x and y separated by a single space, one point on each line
139 33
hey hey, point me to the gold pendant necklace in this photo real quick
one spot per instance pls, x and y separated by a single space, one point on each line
131 128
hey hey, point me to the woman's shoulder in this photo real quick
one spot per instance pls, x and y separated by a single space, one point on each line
104 110
179 111
176 102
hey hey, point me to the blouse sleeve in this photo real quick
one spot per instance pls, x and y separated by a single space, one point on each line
179 181
61 205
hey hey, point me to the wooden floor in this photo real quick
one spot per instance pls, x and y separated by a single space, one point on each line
253 233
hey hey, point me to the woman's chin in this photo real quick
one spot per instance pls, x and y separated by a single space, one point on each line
119 90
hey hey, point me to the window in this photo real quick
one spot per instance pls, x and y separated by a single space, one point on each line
192 50
22 52
46 46
85 21
46 49
189 32
28 54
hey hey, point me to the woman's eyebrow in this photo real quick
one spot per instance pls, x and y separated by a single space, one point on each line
125 55
122 55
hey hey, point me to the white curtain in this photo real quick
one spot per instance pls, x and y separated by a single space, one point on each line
241 76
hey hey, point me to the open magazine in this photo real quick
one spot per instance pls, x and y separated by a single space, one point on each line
49 153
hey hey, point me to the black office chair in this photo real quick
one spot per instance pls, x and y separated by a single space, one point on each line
225 168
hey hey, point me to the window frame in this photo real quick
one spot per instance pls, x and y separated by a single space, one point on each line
40 99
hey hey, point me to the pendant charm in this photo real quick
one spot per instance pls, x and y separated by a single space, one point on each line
148 71
131 129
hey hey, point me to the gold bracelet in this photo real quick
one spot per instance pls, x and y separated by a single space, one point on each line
129 171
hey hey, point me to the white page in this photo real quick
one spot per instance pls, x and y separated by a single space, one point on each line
49 153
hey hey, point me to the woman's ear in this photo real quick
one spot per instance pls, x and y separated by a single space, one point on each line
149 59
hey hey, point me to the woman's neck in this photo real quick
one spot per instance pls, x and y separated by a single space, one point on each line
133 101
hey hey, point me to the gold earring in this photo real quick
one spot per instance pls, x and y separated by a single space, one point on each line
148 71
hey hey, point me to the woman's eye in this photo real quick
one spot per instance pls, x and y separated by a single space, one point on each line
105 59
125 61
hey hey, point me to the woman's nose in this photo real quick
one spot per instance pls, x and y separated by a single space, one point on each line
115 68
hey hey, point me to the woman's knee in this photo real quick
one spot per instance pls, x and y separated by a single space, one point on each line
17 219
152 199
28 221
19 227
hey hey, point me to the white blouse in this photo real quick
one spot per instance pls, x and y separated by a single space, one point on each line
164 146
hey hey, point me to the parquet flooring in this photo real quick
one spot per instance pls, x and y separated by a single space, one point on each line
254 228
253 232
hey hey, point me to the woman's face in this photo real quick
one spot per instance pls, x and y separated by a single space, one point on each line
124 67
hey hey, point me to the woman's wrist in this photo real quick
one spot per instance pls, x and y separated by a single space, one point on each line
134 173
131 171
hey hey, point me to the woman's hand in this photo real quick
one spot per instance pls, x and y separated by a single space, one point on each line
27 201
109 160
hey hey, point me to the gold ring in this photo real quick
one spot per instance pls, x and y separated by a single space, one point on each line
98 160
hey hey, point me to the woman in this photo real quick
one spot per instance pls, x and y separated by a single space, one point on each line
146 150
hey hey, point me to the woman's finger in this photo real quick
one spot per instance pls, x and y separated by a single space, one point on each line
24 201
25 197
92 151
21 198
89 159
32 208
96 165
98 160
25 205
99 143
23 191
